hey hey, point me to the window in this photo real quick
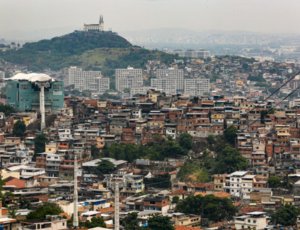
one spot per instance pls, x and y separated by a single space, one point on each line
57 86
10 86
249 221
25 86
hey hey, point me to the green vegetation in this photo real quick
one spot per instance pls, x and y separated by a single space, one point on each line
159 222
103 52
216 208
193 171
40 141
6 109
274 182
230 134
175 199
105 167
24 203
262 84
258 78
130 222
19 128
95 222
185 141
4 195
286 216
230 161
46 209
154 151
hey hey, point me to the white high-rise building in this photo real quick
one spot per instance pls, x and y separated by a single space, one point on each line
171 73
2 76
128 78
196 86
165 84
203 54
86 80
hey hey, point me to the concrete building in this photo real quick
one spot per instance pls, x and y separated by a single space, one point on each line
193 53
2 76
172 73
196 86
86 80
128 78
233 183
165 84
203 54
23 93
253 220
139 90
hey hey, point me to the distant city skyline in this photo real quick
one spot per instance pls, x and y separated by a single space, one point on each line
20 17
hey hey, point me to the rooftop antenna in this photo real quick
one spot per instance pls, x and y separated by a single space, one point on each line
75 216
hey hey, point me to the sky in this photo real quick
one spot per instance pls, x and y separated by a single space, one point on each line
269 16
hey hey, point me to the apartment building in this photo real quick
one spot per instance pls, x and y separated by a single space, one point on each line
172 73
85 80
196 86
165 84
253 220
128 78
233 183
157 203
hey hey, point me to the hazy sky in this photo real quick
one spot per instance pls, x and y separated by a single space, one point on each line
274 16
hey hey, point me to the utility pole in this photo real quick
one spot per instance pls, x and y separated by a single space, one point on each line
117 221
75 216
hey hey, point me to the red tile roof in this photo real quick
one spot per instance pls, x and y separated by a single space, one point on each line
182 227
179 192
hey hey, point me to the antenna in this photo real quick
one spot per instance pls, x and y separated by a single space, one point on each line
75 216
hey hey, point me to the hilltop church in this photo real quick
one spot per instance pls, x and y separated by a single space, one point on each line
95 27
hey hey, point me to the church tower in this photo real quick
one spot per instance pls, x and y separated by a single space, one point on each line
101 23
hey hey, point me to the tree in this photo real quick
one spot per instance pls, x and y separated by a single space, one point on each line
130 222
95 151
230 161
286 216
46 208
175 199
245 66
40 141
127 90
159 222
185 141
24 203
19 128
105 167
211 140
274 182
230 134
12 213
216 208
6 109
287 183
86 93
95 222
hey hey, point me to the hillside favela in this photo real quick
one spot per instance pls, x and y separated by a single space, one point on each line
143 128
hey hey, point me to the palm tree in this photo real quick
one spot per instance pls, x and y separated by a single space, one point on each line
287 183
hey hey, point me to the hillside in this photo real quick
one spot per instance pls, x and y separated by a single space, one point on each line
91 51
